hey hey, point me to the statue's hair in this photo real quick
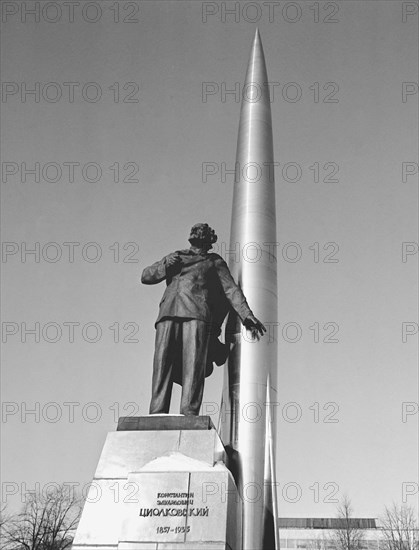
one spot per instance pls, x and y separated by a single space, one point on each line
202 232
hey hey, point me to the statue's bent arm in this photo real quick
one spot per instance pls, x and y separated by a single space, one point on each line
155 273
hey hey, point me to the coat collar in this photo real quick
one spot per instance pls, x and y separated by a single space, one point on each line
194 250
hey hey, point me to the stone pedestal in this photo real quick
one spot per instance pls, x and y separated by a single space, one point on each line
161 484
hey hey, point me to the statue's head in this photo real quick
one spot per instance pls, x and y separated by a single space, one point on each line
202 236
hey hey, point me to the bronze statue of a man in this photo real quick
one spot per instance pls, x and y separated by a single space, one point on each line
199 292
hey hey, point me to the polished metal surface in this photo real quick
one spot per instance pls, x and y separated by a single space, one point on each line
247 419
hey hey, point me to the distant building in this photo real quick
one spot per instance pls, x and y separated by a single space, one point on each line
316 533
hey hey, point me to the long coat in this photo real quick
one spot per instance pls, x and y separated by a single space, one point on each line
201 287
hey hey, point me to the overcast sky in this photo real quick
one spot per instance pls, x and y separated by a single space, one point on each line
128 121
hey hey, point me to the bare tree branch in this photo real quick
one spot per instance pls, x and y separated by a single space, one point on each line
347 536
400 528
47 522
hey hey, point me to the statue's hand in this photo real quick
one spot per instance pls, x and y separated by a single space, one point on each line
173 260
255 326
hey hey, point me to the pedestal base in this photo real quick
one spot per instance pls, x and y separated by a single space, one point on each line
161 489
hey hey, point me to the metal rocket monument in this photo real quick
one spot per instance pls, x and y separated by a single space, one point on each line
247 420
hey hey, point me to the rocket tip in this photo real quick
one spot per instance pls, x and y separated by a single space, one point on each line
256 68
257 41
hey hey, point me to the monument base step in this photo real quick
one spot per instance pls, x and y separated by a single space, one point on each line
161 489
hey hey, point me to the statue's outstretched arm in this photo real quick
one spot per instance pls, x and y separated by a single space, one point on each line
237 299
232 291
